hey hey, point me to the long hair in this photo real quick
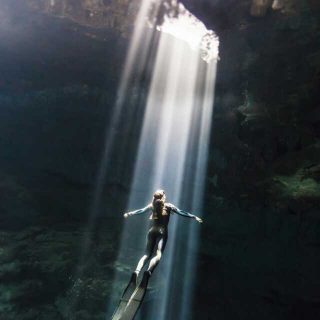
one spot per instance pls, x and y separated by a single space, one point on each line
158 202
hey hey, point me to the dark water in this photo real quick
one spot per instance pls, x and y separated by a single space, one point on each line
61 223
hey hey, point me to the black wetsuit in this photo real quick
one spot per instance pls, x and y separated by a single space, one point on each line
158 233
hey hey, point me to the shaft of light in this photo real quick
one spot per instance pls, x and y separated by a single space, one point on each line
176 94
198 189
173 98
136 57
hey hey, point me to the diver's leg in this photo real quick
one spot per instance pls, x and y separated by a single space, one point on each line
139 293
151 241
155 260
120 314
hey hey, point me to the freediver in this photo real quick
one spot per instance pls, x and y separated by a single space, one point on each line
158 233
133 295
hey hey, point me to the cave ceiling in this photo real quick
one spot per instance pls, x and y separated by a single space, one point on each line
219 15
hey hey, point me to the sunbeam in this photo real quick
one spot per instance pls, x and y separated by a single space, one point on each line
173 147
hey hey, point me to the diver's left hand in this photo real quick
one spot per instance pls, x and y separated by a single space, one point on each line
198 220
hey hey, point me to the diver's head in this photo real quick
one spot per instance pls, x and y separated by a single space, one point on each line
158 203
159 196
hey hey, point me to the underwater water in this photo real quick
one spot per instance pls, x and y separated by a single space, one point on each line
104 102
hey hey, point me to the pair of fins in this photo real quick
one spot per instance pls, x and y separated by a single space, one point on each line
132 298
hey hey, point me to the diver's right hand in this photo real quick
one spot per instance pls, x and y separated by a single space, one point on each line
199 220
126 215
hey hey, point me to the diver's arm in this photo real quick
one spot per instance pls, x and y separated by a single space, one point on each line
139 211
185 214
